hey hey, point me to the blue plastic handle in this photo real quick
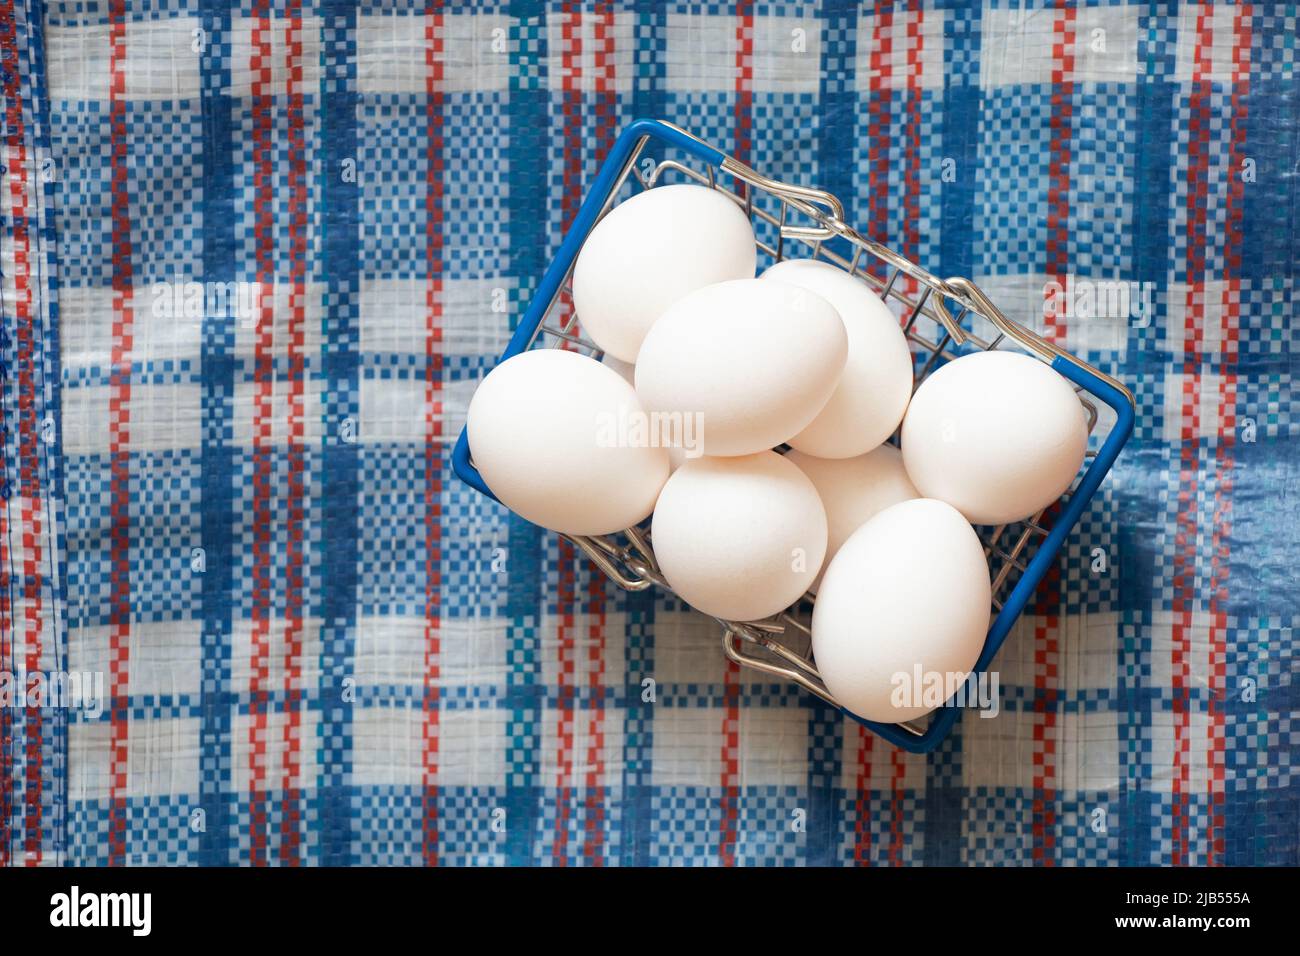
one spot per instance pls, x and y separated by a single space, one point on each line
583 223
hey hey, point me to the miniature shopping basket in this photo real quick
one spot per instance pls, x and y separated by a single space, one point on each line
943 319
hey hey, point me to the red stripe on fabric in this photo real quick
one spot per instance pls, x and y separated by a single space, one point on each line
16 159
595 782
730 783
911 246
1046 673
570 200
879 107
1229 334
1185 559
744 106
29 490
730 764
119 438
898 767
1045 714
571 114
603 82
564 680
862 806
1047 629
862 842
291 785
433 365
260 68
1060 154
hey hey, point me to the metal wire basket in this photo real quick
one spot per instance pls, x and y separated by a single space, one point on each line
942 318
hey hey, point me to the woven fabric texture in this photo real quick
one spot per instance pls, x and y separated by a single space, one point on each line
256 257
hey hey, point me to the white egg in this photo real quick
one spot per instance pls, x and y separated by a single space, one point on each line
676 441
997 435
873 390
752 361
552 434
909 588
853 490
650 251
739 538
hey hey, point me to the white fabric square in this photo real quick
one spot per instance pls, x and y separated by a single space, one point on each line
395 410
916 50
163 417
585 654
388 747
390 650
702 53
1217 23
1019 46
253 39
161 60
165 657
162 759
1192 401
394 315
592 54
392 53
688 746
594 748
273 424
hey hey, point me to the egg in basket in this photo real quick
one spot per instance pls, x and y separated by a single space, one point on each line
860 470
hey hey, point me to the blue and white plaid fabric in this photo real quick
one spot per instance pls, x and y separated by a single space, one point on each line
256 258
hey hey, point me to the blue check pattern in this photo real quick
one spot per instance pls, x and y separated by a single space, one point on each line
319 648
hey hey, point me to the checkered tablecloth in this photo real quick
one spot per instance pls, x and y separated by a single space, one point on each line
256 257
